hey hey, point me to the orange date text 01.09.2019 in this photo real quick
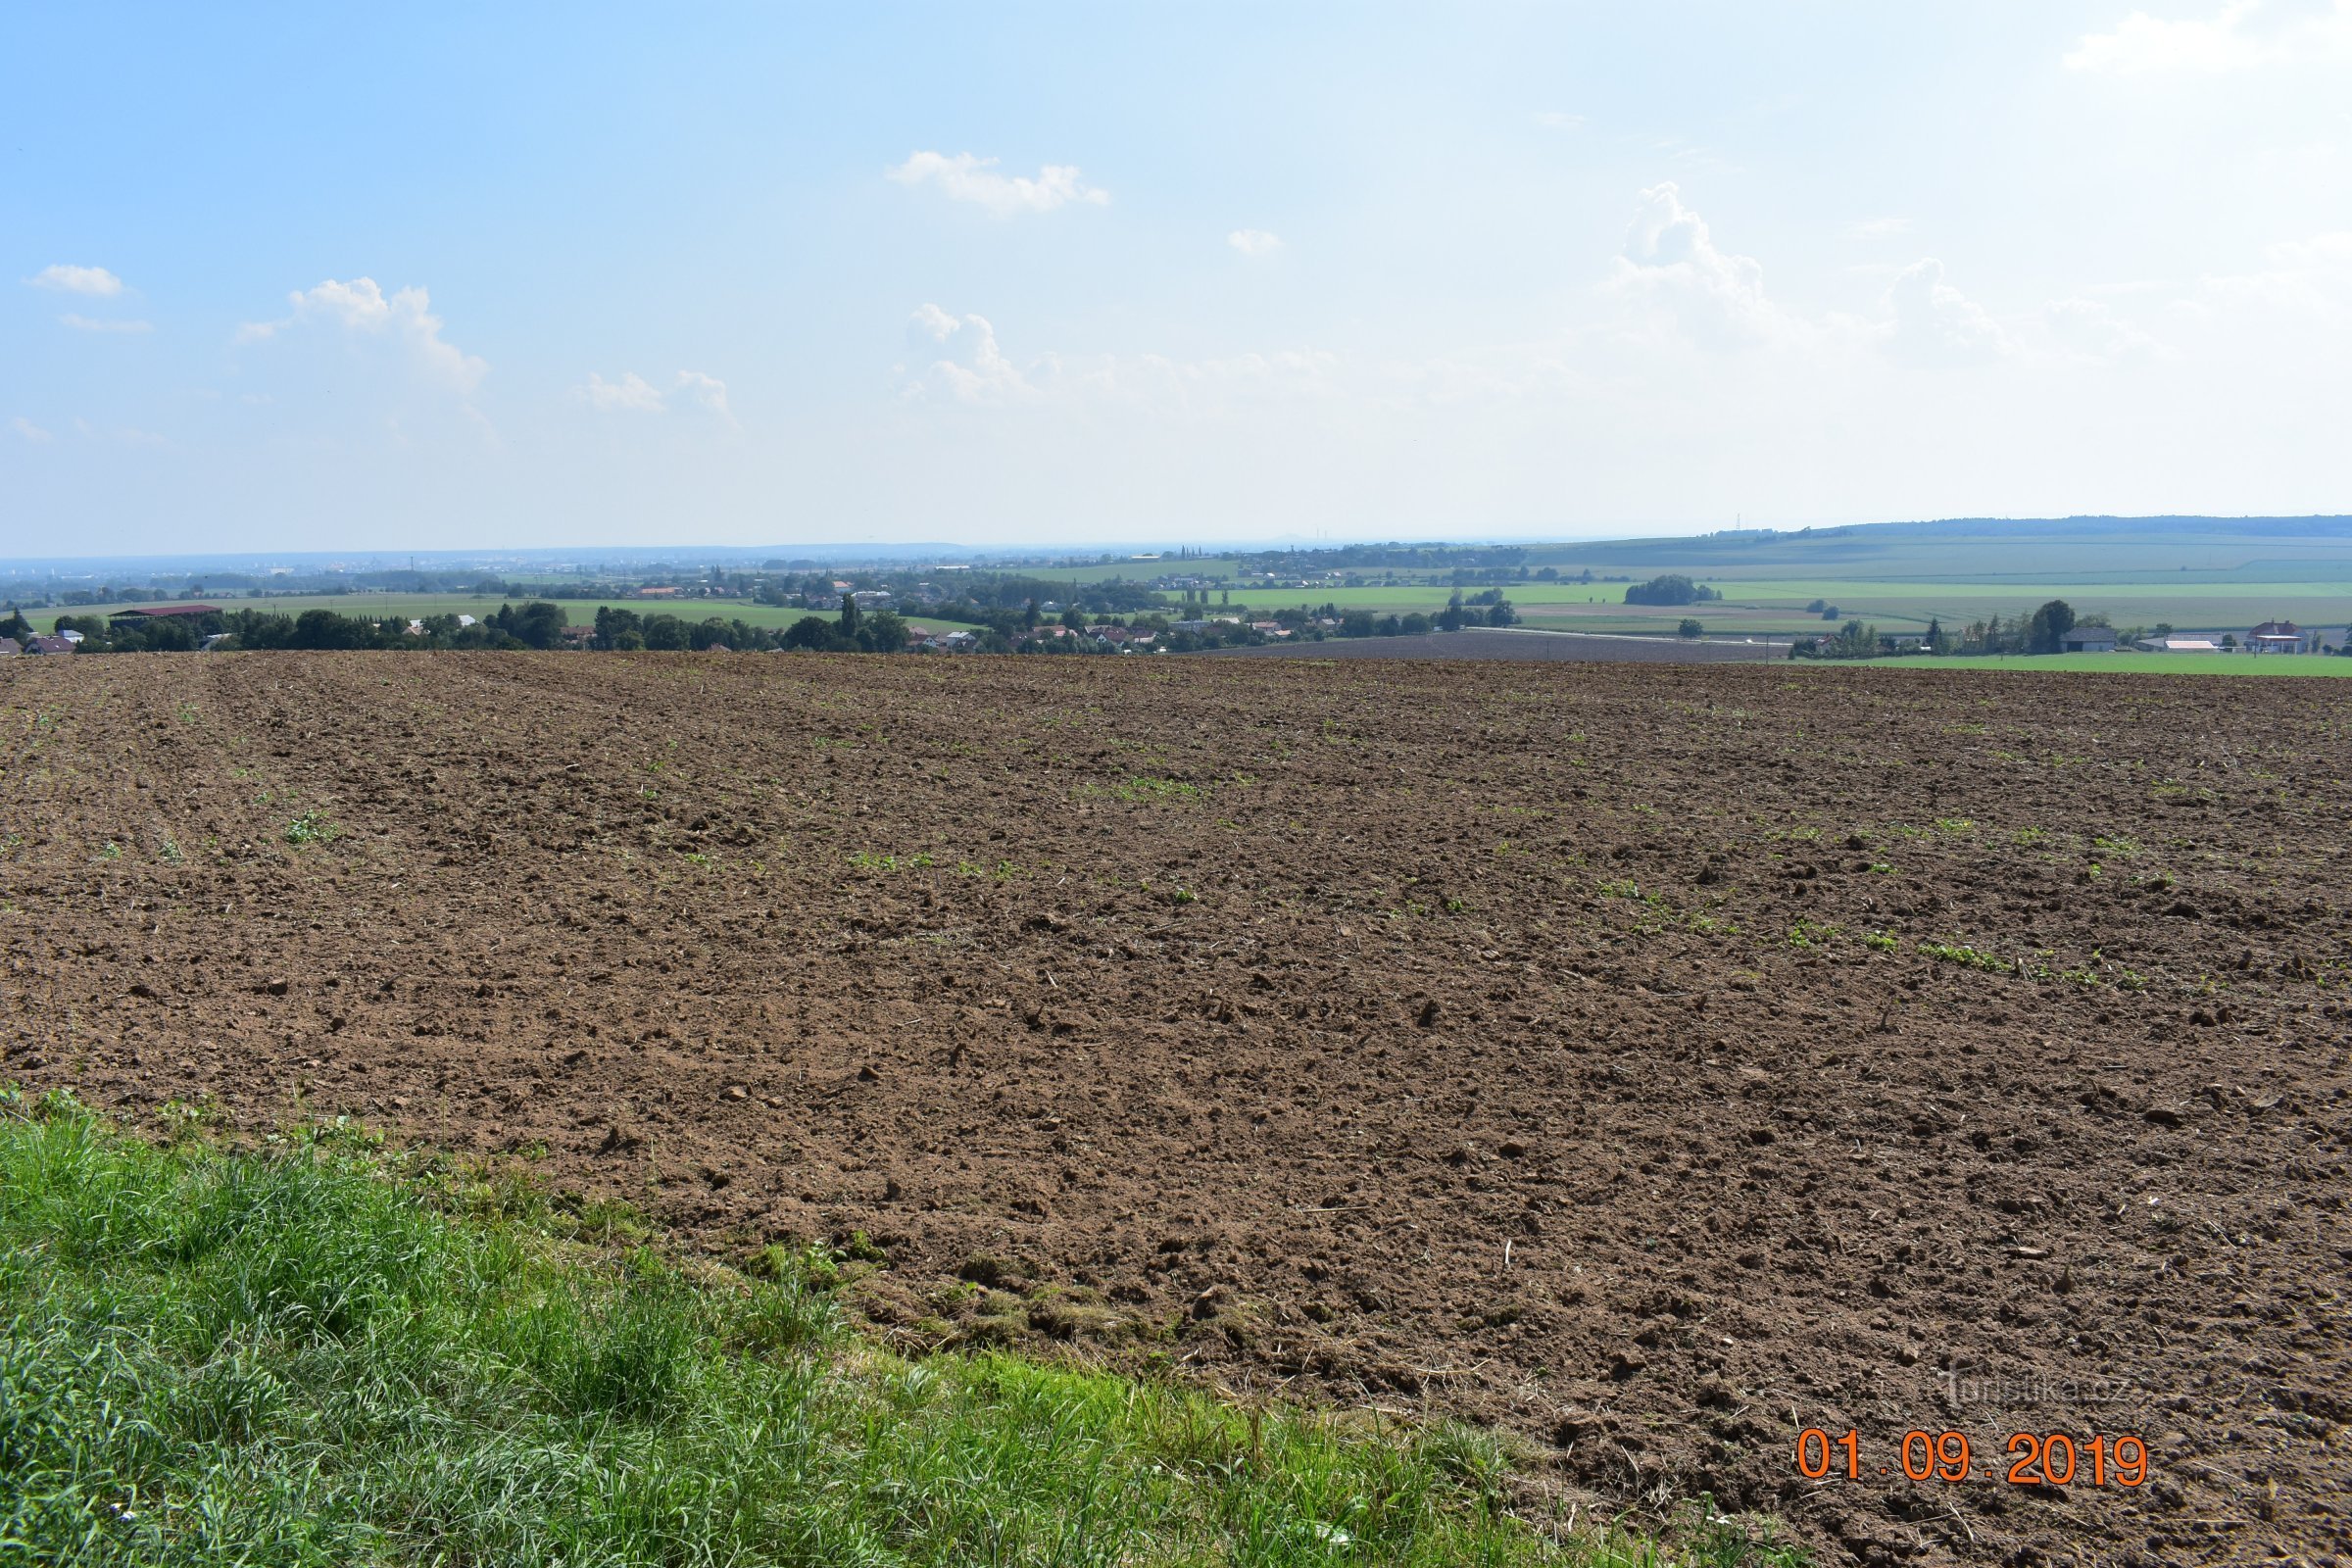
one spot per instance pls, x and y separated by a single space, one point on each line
2032 1459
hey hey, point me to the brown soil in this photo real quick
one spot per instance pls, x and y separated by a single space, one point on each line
1551 1046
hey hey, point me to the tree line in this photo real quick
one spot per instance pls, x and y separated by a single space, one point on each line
2040 631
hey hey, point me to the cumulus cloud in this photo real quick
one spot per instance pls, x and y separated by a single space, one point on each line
72 279
631 394
1253 241
705 392
1671 260
91 324
634 394
1932 321
930 321
2091 329
362 307
2242 35
30 431
966 179
970 367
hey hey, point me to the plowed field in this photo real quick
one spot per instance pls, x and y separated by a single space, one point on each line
1654 1060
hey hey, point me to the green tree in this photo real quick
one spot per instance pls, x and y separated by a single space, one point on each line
1854 640
537 625
612 623
849 617
1688 628
2047 633
809 631
323 628
1673 588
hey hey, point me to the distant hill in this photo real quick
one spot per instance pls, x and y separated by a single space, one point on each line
1980 549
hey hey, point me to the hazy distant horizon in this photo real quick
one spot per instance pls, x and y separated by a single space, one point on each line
842 550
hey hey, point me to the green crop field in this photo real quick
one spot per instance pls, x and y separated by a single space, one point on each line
2141 664
1777 605
2228 605
2197 574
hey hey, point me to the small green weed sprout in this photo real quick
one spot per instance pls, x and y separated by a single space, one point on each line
311 827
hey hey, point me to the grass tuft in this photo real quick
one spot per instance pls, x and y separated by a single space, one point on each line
293 1356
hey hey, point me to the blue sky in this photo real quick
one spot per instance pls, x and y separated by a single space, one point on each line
458 277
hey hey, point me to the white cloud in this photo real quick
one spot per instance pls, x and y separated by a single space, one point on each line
932 323
2092 330
87 323
76 280
1878 227
631 394
706 392
966 179
2242 35
1931 320
973 368
634 394
1554 120
1670 260
1253 241
30 430
360 305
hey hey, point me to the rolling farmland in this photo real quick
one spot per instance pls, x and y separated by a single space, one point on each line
1647 1061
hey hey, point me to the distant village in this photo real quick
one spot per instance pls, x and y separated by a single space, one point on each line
1144 605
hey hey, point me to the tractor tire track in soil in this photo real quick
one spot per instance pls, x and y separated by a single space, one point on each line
1653 1061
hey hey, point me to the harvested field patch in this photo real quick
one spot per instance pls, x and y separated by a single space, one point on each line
1653 1061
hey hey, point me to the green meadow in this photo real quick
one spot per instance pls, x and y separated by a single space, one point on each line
2140 663
315 1352
1777 604
2199 574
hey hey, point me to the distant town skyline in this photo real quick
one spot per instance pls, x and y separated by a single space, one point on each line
1063 276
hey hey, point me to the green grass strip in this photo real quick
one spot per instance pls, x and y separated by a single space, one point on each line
297 1357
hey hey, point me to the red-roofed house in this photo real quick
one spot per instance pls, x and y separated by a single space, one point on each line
2276 637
